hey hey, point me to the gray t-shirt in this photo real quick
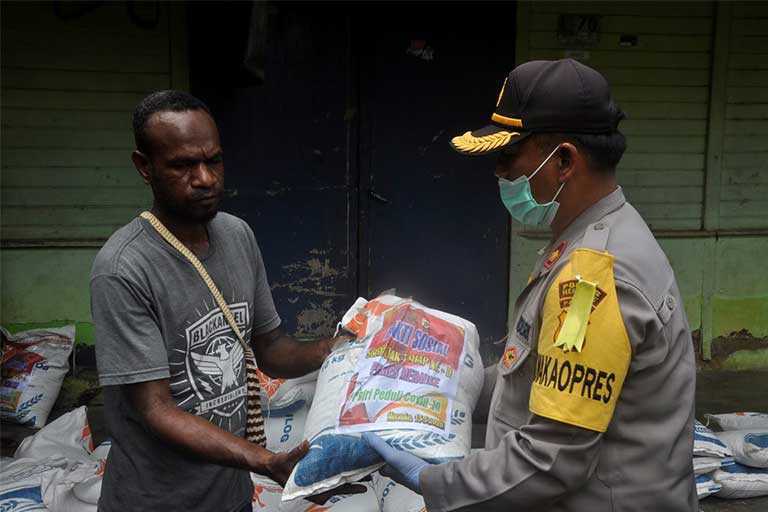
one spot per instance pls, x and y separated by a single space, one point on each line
156 319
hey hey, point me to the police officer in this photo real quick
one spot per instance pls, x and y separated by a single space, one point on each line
591 404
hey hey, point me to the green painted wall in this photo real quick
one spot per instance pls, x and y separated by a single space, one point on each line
694 87
740 298
69 85
46 287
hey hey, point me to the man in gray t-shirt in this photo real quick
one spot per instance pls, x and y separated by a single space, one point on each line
172 368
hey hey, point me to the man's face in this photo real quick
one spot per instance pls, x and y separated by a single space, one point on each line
185 165
522 159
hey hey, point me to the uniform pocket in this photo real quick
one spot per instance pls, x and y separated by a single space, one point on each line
511 407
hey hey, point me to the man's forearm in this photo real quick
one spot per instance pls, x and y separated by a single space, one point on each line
199 438
281 356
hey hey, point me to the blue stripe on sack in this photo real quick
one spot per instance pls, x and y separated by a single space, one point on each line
759 440
708 439
703 479
24 498
741 469
704 435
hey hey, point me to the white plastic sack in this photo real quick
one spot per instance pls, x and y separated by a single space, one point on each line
749 447
706 486
69 436
739 481
704 465
284 396
34 364
75 485
101 451
59 485
394 497
413 375
21 483
738 421
266 494
706 443
89 489
285 433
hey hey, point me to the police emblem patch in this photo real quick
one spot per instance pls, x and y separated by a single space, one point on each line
555 254
509 357
566 289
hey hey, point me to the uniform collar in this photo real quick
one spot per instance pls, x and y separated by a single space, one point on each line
594 213
564 243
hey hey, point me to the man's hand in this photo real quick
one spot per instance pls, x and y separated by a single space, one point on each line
278 466
282 357
334 343
402 467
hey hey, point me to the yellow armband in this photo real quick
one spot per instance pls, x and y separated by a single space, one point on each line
583 347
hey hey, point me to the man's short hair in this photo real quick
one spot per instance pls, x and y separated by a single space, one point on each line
603 150
160 101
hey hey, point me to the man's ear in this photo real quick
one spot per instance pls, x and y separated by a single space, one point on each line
142 164
568 156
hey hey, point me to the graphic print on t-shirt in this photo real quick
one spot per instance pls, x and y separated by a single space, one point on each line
210 379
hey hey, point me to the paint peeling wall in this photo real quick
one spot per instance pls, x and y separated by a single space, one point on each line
314 283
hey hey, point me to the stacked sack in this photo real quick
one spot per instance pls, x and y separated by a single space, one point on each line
56 469
34 364
733 462
281 397
709 455
745 434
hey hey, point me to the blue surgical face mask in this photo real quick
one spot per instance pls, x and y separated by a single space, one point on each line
523 207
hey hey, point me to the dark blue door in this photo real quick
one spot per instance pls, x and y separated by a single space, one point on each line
437 229
288 147
339 159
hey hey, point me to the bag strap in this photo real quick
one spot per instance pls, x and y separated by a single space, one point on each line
217 296
254 427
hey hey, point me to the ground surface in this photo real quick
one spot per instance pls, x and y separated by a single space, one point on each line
716 392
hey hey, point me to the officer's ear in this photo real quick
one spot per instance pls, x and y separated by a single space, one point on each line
568 160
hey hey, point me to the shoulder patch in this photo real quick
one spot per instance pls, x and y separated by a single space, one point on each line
555 255
579 382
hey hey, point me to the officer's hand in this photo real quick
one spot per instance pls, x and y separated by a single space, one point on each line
402 467
279 465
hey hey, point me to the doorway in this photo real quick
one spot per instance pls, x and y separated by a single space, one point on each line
338 155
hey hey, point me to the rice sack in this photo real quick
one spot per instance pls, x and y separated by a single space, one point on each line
412 375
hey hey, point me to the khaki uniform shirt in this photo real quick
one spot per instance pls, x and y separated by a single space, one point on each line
606 428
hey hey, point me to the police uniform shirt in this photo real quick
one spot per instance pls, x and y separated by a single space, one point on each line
605 428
